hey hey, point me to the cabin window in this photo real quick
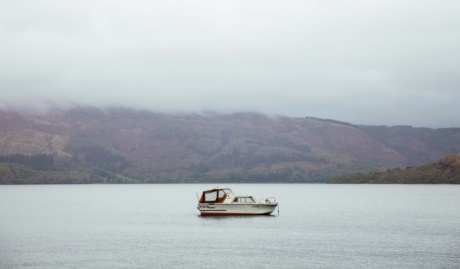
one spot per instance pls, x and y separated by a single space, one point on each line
221 194
243 200
210 196
249 200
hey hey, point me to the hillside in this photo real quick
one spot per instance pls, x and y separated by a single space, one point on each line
118 145
444 171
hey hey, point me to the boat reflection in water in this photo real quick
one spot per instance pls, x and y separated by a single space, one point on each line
222 202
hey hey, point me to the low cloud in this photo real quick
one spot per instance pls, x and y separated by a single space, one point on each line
383 62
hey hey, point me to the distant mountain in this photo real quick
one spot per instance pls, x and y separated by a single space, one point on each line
444 171
119 145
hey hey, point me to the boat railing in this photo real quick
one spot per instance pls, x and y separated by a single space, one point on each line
268 200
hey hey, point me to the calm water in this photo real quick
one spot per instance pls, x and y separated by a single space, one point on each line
157 226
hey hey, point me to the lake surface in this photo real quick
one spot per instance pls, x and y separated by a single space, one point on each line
158 226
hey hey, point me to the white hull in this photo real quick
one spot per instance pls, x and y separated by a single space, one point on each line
220 209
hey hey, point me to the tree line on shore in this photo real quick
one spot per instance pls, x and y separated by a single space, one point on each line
444 171
44 169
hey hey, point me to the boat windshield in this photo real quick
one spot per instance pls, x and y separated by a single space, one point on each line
228 191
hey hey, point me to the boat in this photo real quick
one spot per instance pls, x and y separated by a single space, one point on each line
222 202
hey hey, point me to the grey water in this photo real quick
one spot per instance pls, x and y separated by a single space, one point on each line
158 226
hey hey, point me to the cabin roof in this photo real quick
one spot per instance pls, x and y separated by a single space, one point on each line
218 188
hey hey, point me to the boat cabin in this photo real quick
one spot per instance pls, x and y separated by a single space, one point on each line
224 195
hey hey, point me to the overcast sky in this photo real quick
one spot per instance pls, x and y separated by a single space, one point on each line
379 62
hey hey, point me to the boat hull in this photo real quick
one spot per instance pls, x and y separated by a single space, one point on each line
219 209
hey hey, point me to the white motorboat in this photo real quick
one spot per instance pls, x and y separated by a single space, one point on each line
222 201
